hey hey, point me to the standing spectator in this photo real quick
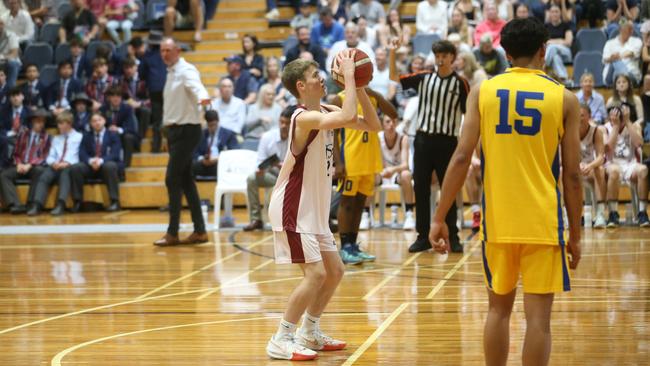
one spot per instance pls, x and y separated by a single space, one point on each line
492 25
492 61
589 96
232 110
59 94
372 10
621 55
351 41
119 14
13 118
136 95
273 143
467 67
244 83
97 86
618 10
624 93
32 147
153 71
33 89
9 53
393 27
184 13
263 115
327 31
99 157
305 44
431 17
558 47
305 16
121 119
253 61
63 154
381 81
81 113
215 139
19 21
79 23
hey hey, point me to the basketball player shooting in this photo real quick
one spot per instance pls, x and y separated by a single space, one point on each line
300 202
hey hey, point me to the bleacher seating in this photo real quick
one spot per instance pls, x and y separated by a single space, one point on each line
591 39
422 43
39 54
588 61
62 53
49 33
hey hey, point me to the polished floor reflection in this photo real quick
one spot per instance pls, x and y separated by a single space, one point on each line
114 299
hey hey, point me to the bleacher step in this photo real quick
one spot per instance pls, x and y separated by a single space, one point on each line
141 160
143 175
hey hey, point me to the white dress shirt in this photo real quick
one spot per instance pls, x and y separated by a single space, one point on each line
428 16
22 25
59 146
183 93
271 143
232 115
614 45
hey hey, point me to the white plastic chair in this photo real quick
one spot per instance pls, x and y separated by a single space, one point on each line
382 190
234 168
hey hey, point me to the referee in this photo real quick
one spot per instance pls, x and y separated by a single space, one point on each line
442 96
181 116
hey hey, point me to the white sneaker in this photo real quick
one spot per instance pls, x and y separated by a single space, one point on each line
409 221
318 341
286 348
273 14
365 221
600 222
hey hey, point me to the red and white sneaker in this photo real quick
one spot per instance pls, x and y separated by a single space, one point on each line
476 221
286 349
318 341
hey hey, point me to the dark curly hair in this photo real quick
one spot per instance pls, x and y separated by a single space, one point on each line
523 37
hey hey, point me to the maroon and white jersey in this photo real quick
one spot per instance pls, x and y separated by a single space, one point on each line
300 201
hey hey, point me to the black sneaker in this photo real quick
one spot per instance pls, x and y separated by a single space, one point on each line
613 220
642 217
420 245
456 247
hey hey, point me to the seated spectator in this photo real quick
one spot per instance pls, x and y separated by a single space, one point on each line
467 67
19 21
263 115
305 16
253 61
618 10
592 148
461 46
13 118
113 61
99 158
272 143
136 95
135 50
98 8
623 140
624 93
326 31
4 87
492 61
184 13
371 10
9 53
459 25
32 147
59 94
393 28
645 101
338 9
82 107
34 90
232 110
119 14
558 47
273 77
63 154
43 11
100 82
470 9
395 153
491 26
431 17
566 11
245 85
79 23
305 44
121 119
214 140
522 11
381 82
504 9
78 60
589 96
366 33
351 41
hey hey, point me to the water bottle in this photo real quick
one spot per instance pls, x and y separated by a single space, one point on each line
587 215
204 210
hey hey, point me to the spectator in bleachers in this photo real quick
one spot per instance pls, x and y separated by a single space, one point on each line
522 11
491 25
245 85
273 143
136 95
120 118
63 154
305 16
34 90
591 97
470 9
97 86
624 93
4 87
459 26
214 140
467 67
253 60
13 118
492 61
98 8
263 115
338 8
504 9
623 141
184 13
43 11
351 41
77 56
232 110
273 77
366 34
566 10
393 28
558 47
381 82
20 22
79 23
431 17
28 161
135 50
461 46
119 15
621 55
326 31
591 10
112 58
9 47
82 107
618 10
99 158
372 10
153 71
592 149
305 44
60 93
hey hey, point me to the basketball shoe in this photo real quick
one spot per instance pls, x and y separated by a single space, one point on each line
317 341
286 348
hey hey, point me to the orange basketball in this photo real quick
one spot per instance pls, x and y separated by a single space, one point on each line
362 71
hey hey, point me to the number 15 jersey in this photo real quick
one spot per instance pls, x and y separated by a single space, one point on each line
521 128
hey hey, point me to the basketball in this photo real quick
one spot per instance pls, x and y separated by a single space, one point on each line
362 72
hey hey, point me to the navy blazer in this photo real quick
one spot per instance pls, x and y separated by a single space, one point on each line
226 140
80 75
4 94
74 86
7 117
36 99
81 124
111 148
125 118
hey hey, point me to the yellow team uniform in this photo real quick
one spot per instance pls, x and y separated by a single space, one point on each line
361 154
521 127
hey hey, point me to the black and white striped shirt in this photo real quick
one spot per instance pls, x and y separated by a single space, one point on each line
442 101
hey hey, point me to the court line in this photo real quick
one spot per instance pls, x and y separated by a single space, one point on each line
390 276
233 280
376 334
452 271
207 266
97 245
115 215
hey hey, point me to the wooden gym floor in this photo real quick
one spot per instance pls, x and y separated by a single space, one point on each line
114 299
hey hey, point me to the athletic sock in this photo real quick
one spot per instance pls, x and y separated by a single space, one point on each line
600 208
346 238
613 206
310 323
409 207
642 205
475 208
284 329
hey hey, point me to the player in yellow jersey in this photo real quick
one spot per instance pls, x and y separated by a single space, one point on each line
525 120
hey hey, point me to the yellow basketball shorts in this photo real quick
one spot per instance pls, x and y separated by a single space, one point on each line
544 268
364 184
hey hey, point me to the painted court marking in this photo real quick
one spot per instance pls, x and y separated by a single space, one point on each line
390 276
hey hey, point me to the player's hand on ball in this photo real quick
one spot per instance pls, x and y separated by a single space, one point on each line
439 237
346 66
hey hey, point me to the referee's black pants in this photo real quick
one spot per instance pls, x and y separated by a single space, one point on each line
182 140
432 153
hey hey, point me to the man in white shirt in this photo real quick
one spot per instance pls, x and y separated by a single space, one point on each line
232 110
351 41
431 17
9 53
64 153
621 55
274 143
183 94
372 10
381 82
19 21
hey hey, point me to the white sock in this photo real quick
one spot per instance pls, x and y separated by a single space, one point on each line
642 205
613 206
310 323
476 208
284 329
600 208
